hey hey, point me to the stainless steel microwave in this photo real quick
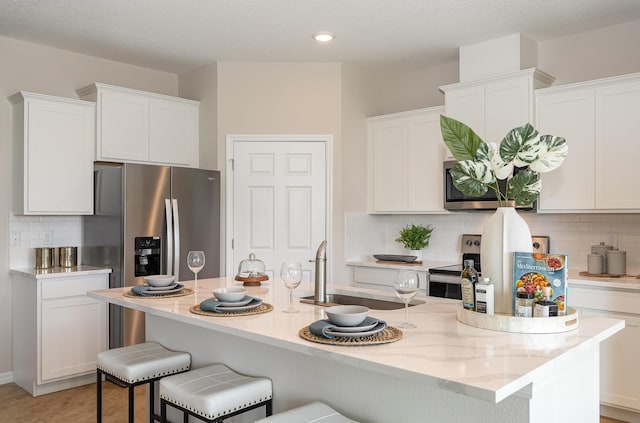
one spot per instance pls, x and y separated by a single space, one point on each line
454 200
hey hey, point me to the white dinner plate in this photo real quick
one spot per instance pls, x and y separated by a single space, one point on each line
177 288
351 329
248 307
246 300
162 288
378 328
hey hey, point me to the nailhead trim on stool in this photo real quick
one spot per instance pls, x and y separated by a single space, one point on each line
313 412
136 365
215 393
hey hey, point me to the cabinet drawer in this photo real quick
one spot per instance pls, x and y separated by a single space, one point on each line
73 286
606 300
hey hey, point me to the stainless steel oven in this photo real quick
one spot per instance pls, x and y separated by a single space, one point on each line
444 282
455 200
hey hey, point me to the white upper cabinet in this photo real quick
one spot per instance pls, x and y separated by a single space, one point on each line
405 155
53 155
494 106
599 121
137 126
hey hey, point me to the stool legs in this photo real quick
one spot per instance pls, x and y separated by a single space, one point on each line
99 396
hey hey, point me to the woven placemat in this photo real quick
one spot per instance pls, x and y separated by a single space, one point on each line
388 335
182 293
262 308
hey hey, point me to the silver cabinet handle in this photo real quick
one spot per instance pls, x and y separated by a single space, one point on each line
169 236
176 221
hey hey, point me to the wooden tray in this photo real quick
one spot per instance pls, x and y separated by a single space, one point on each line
507 323
605 275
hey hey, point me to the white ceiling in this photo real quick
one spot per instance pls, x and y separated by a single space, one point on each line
180 35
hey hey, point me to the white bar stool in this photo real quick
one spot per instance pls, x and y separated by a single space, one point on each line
136 365
312 412
214 393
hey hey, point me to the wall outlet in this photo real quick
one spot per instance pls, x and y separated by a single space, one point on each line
46 237
14 239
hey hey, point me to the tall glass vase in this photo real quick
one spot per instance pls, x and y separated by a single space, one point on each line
504 233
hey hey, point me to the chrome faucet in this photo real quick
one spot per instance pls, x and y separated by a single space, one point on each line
320 294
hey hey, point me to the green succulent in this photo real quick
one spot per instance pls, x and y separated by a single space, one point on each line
480 164
415 237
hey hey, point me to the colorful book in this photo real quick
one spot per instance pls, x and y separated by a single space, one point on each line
544 275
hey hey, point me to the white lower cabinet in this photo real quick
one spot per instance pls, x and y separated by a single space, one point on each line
58 330
619 372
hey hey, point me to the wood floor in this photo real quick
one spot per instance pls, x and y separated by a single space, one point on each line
78 405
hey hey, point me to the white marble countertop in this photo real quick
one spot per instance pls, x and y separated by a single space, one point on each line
61 272
440 352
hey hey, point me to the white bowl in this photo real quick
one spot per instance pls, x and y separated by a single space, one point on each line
347 315
159 280
230 294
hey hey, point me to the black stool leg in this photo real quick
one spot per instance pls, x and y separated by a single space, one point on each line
163 410
152 410
99 396
131 408
269 407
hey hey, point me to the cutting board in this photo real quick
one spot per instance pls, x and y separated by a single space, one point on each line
604 275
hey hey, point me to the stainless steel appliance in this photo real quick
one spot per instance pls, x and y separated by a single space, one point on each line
444 281
146 219
455 200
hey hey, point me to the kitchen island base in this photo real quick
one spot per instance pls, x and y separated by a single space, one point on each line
385 395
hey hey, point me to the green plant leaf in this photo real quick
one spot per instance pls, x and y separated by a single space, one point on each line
472 177
553 151
491 152
415 237
524 187
459 138
520 146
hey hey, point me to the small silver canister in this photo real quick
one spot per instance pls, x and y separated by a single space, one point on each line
68 256
45 258
616 262
602 250
595 264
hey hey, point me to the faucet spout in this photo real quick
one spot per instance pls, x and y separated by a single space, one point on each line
320 294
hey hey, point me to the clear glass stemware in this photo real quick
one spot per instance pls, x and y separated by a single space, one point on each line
195 261
291 275
406 287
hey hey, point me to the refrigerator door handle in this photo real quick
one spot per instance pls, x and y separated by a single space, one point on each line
169 236
176 228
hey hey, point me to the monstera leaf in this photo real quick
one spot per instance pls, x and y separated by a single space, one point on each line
520 146
553 151
491 153
459 138
524 187
472 177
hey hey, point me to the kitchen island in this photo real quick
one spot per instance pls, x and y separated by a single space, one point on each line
443 371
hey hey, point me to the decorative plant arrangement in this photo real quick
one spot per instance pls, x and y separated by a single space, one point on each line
415 237
480 164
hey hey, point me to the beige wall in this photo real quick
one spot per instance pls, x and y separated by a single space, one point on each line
29 67
285 98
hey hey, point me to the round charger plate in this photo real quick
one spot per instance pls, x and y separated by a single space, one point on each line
183 292
262 308
390 334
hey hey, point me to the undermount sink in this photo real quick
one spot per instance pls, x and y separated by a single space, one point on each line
372 303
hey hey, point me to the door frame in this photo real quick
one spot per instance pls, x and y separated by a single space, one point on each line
231 139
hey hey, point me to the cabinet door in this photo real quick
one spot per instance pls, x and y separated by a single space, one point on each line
619 354
568 114
388 175
123 128
508 105
173 132
73 332
617 146
468 106
426 152
58 157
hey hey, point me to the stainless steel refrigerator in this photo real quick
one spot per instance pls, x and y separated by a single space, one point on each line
146 219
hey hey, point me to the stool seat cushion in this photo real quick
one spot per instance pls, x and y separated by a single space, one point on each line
315 412
215 391
137 363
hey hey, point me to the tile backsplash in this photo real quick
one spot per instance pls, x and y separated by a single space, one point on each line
29 232
571 234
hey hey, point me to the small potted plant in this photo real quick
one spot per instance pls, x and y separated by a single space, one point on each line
414 238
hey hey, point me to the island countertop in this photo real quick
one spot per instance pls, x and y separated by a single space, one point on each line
441 351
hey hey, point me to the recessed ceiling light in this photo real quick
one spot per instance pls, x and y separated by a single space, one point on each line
323 36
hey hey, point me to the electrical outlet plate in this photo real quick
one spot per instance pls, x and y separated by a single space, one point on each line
46 237
14 239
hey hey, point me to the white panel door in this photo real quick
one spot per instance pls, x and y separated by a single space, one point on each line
123 131
507 105
173 132
468 106
389 151
279 203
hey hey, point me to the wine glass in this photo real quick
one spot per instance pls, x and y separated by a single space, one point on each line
195 261
406 286
291 275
